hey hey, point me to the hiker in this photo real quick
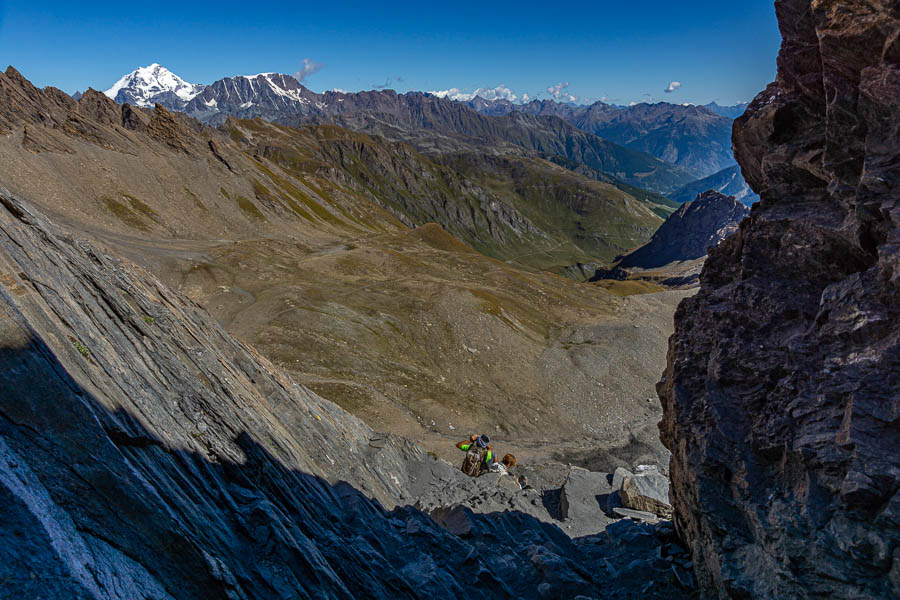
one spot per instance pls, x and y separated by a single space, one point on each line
479 456
506 463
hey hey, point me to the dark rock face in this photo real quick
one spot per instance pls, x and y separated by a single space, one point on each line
781 393
690 231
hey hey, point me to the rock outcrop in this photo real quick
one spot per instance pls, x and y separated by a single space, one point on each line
648 492
781 392
689 231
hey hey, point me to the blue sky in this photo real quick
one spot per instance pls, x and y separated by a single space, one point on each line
623 51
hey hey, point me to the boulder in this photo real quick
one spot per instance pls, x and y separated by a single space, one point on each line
582 499
648 492
456 519
509 484
619 476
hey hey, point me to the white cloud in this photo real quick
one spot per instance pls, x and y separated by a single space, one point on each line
672 87
501 92
452 93
525 98
559 92
308 69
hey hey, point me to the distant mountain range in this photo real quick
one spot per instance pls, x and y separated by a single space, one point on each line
430 124
690 136
732 112
727 181
659 147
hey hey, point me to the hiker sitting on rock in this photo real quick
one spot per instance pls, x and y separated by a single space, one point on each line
479 456
506 463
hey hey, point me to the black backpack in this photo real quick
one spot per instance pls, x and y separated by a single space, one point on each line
474 460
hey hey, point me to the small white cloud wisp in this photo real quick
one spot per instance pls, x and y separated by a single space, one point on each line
560 92
673 86
308 69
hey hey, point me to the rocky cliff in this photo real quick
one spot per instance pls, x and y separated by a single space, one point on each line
690 231
781 392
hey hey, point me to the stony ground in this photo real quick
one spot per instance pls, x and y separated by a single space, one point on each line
435 345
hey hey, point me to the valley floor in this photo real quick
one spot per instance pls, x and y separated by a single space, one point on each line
445 351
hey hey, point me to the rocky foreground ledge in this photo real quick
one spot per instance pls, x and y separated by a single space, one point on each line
782 391
145 453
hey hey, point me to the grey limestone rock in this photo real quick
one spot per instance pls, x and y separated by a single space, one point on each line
640 515
583 499
648 492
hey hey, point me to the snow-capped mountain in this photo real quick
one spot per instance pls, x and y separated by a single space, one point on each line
147 85
267 95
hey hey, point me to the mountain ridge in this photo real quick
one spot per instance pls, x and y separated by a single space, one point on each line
689 232
429 123
687 135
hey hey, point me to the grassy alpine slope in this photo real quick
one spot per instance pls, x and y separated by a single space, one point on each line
314 245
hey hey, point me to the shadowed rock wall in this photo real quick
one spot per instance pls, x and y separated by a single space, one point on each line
782 391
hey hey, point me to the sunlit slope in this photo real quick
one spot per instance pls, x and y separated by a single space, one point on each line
320 247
